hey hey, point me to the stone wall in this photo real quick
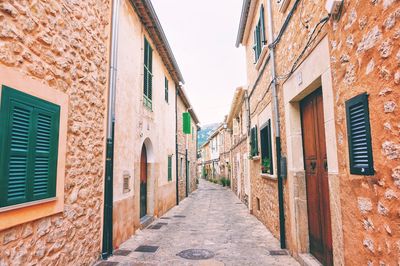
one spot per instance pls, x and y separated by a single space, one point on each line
64 44
365 57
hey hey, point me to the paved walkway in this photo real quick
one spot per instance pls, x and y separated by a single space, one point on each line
214 219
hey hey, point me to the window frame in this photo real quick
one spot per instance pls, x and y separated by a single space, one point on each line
254 151
259 37
166 90
267 144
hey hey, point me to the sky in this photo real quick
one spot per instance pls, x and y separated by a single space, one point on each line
202 35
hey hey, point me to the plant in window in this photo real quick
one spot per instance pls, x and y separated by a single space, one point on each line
266 166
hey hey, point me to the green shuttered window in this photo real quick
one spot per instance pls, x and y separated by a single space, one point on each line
186 123
259 36
266 149
254 141
148 76
166 90
169 168
29 148
359 136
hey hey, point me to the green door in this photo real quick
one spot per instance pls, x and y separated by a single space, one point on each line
143 183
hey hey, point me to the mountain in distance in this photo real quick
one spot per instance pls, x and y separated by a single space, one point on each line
205 132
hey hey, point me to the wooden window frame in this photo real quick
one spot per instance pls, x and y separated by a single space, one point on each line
266 146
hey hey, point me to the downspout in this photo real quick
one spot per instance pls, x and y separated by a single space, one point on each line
176 144
107 248
277 129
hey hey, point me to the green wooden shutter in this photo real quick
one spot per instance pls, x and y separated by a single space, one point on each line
166 89
254 141
186 123
359 136
266 145
169 168
262 26
147 73
29 148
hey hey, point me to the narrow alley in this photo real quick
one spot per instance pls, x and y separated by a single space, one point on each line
213 219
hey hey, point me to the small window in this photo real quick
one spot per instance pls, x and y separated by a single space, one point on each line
266 149
259 36
254 141
166 89
29 148
169 168
359 136
148 76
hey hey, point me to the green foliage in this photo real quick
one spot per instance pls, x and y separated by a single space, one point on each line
266 166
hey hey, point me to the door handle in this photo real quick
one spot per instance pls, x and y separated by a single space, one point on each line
313 165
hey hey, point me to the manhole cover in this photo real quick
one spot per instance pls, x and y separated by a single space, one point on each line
122 252
196 254
149 249
179 216
280 252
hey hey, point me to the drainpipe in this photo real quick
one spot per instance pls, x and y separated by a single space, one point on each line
176 145
277 129
107 248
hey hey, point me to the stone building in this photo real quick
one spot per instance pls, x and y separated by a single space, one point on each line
323 102
225 137
205 160
186 147
53 74
237 123
148 144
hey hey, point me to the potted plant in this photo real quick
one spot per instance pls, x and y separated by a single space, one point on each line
266 166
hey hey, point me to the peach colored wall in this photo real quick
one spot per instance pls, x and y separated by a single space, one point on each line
136 124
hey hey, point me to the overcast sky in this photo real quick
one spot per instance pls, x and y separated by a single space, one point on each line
202 36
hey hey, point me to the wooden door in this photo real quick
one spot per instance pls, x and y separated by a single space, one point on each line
315 159
143 183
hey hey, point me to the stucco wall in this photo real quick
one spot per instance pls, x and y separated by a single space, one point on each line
136 126
63 45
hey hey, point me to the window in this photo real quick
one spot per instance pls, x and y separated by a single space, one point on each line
148 76
259 36
359 136
253 142
29 148
169 168
166 89
266 149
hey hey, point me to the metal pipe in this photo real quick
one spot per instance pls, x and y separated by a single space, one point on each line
107 247
176 145
277 128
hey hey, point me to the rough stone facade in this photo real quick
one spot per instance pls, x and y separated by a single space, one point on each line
63 44
363 56
192 153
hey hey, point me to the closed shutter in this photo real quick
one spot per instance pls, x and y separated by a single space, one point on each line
147 73
359 136
254 142
262 26
29 151
166 89
169 168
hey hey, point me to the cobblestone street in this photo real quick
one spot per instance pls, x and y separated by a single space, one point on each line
212 218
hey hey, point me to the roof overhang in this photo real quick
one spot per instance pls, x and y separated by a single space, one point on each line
236 105
148 17
247 10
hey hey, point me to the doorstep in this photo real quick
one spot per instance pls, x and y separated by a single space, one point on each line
306 259
146 221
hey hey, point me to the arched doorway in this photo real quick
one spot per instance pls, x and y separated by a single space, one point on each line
143 182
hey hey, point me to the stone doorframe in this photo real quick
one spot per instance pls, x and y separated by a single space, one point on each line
313 73
151 180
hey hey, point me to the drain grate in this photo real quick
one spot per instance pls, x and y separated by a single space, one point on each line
155 227
179 216
161 224
196 254
148 249
122 252
280 252
107 263
165 218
